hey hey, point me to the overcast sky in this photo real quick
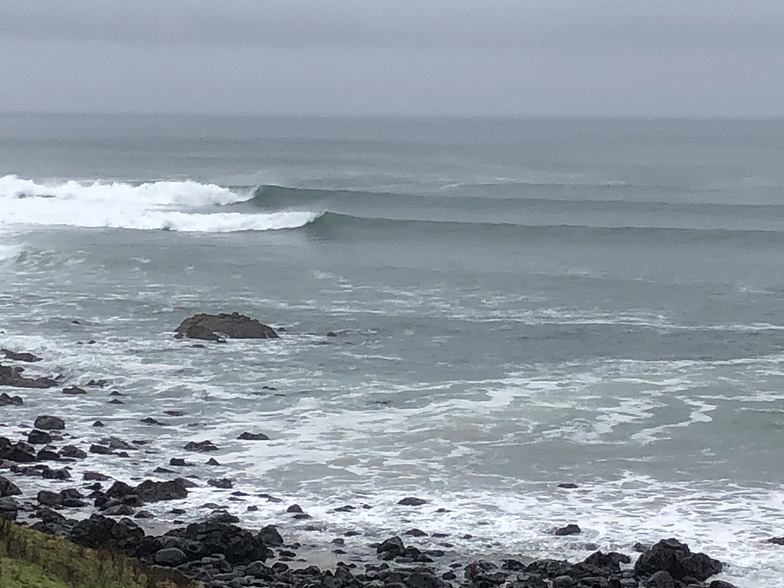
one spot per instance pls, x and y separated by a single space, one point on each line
375 57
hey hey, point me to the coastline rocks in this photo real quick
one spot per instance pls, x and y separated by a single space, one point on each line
74 390
675 558
6 400
101 531
49 423
10 376
36 437
411 501
212 327
236 544
150 491
200 446
23 356
570 529
8 488
253 437
19 451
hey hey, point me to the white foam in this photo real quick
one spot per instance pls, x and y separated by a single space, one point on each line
169 205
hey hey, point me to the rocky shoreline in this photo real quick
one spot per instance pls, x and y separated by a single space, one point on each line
102 511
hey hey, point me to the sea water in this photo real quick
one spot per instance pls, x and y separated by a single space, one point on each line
517 304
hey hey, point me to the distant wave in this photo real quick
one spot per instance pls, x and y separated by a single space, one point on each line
177 206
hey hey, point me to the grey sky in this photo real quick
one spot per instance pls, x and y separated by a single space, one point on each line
365 57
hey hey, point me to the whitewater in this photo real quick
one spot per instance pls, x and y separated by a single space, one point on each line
605 312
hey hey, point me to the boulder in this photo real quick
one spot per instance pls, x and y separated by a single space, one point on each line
49 423
101 531
36 437
200 446
212 327
74 390
253 437
170 557
19 451
411 501
8 488
6 400
570 529
23 356
269 535
675 558
150 491
10 376
236 544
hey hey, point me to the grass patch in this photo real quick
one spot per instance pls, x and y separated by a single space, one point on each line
30 559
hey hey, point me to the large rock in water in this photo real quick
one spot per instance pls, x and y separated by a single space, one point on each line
674 557
10 376
213 326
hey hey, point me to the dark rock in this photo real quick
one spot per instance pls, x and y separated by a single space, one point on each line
346 508
6 400
170 557
47 455
675 558
253 437
116 393
201 446
98 424
120 489
174 413
24 356
235 326
19 451
49 423
8 488
295 508
144 514
415 533
53 474
331 334
95 476
221 516
179 462
152 421
101 531
74 390
9 507
115 443
97 383
570 529
721 584
120 510
391 548
151 491
660 579
10 376
49 498
567 485
212 462
269 535
237 545
71 451
36 437
116 401
100 450
776 540
220 483
411 501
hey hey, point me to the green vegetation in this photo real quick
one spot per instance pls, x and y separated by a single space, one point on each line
29 559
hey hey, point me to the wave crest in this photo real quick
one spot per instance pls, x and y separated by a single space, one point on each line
170 205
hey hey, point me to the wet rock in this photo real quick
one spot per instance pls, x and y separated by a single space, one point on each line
174 413
212 462
179 462
100 450
237 545
220 483
567 486
151 491
71 451
391 548
97 383
776 540
115 443
331 334
23 356
49 498
98 424
294 508
675 558
9 508
47 455
661 579
74 390
253 437
570 529
36 437
200 446
152 421
49 423
10 376
235 326
170 557
53 474
120 510
95 476
412 501
6 400
101 531
415 533
8 488
269 535
116 401
18 452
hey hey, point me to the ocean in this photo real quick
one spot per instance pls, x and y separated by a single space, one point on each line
517 304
